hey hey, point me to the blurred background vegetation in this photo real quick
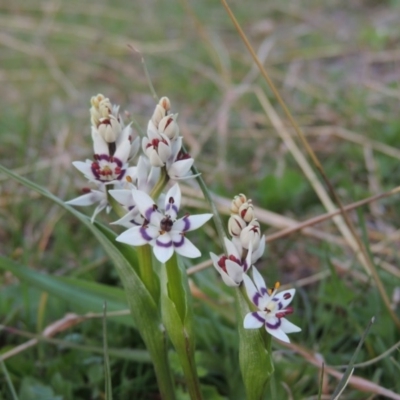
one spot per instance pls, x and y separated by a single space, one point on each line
337 66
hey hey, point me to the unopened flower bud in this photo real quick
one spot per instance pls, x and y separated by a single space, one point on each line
157 150
251 234
168 127
95 100
109 128
101 108
165 103
158 115
235 225
246 211
237 202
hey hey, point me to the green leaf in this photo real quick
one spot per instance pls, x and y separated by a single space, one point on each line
143 308
32 389
83 295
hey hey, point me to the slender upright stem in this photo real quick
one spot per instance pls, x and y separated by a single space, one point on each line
183 339
146 271
160 185
175 287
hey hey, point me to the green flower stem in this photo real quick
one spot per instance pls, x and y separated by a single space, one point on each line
175 286
117 208
160 185
146 272
178 318
159 354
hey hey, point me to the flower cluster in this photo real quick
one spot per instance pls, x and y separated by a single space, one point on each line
245 248
113 148
111 173
163 230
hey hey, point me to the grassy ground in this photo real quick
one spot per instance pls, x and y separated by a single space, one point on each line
337 67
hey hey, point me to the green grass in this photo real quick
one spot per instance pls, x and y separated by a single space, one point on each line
336 66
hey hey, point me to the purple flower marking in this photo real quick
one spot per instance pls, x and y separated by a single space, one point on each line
186 227
273 326
144 234
180 243
166 245
256 316
171 206
256 298
106 168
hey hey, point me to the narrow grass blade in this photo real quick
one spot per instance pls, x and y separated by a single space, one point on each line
321 382
84 296
350 368
8 380
107 369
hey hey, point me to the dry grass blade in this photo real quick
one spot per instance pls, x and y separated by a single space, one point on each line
51 330
327 216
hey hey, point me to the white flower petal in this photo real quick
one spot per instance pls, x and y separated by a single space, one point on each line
259 282
122 151
176 146
173 201
190 223
285 297
131 218
123 196
251 291
152 131
254 320
98 209
135 145
155 159
231 248
85 168
247 262
288 327
180 168
234 270
137 236
238 245
163 254
164 151
215 260
100 146
186 248
279 334
258 253
228 280
142 170
144 202
87 199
